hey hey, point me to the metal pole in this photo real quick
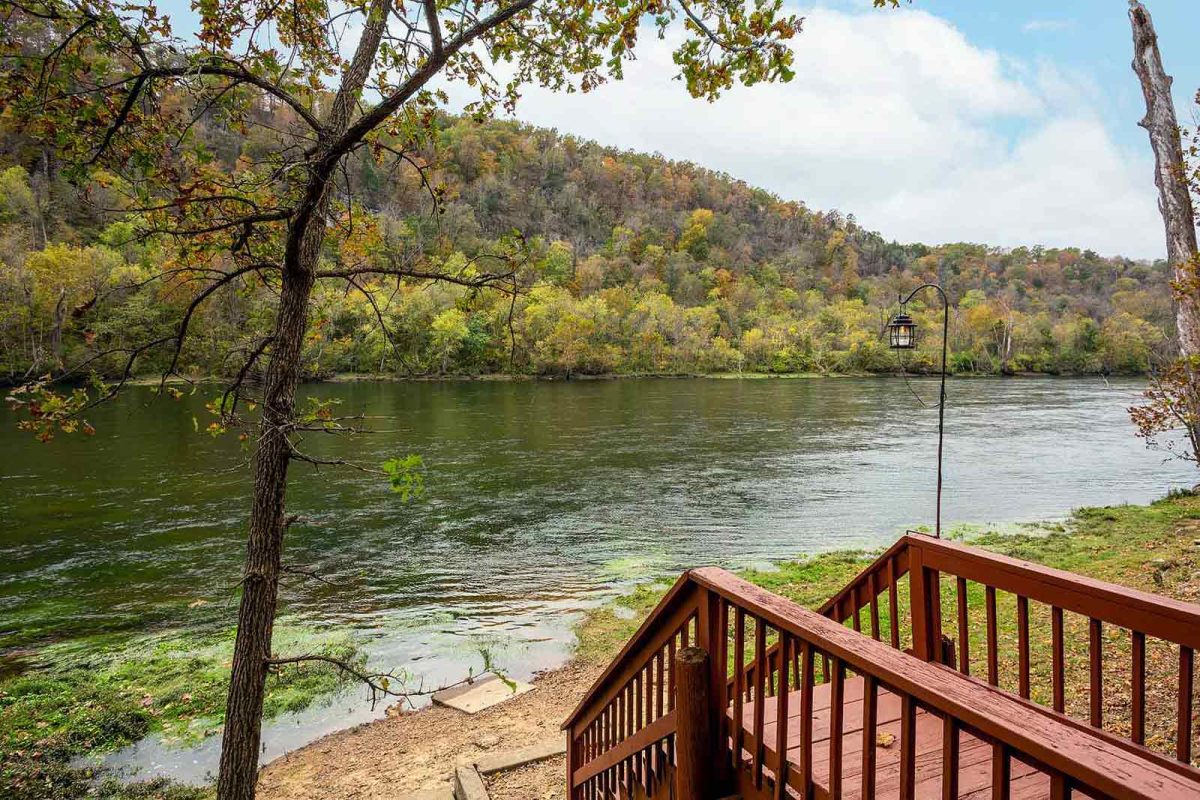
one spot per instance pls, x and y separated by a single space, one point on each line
937 531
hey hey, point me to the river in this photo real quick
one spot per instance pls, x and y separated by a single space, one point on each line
543 499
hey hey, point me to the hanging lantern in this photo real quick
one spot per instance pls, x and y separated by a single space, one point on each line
902 332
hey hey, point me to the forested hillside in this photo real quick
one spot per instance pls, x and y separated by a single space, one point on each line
630 263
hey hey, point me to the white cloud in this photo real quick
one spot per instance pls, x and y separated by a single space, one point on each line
898 119
1041 25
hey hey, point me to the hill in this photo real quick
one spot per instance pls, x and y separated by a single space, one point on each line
633 263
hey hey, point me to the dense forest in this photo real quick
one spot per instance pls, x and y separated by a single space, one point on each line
629 263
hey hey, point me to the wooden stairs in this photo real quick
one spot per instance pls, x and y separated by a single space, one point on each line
902 686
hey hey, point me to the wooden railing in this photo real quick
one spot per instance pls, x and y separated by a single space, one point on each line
1071 631
624 738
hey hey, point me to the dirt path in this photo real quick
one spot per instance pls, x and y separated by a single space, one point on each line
392 757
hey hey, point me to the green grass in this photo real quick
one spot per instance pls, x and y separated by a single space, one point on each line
95 696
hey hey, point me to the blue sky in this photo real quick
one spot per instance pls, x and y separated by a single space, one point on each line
1090 38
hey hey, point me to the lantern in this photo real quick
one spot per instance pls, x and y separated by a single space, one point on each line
902 332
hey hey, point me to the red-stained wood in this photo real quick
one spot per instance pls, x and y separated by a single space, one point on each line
1183 726
1092 762
993 646
950 754
908 748
1023 646
739 679
1096 672
781 715
964 631
920 610
837 711
1001 772
893 603
870 719
694 756
807 714
873 593
1157 616
1058 661
760 682
1137 683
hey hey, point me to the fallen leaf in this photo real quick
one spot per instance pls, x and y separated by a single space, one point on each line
197 603
885 739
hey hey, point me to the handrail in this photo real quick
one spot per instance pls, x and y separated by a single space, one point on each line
623 733
1144 615
1086 760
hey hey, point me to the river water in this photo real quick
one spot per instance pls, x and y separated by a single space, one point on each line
543 499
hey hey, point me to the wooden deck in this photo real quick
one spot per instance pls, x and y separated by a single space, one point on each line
975 756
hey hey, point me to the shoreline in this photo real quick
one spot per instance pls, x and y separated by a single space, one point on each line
501 377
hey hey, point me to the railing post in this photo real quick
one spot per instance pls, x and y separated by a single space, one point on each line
694 756
920 604
572 762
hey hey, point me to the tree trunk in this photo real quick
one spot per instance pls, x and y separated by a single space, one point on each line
1174 201
242 737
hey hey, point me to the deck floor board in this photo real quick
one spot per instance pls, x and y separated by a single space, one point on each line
975 755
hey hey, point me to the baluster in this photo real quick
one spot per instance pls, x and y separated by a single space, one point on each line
630 692
760 700
1137 686
1183 731
949 758
658 684
720 684
1096 654
993 655
781 718
893 603
1060 787
856 606
804 681
908 748
739 685
1023 645
836 718
638 691
1058 668
1001 772
964 640
874 592
870 722
685 634
671 674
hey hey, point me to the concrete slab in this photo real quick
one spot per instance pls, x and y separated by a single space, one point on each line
526 755
484 693
468 785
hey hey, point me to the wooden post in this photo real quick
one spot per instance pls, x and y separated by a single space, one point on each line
694 756
920 607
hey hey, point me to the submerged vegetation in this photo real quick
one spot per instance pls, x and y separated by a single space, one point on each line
630 263
88 697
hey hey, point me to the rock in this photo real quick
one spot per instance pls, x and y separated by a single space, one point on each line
487 740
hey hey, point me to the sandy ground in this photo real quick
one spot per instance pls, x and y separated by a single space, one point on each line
390 758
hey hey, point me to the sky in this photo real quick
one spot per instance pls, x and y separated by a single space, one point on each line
1008 122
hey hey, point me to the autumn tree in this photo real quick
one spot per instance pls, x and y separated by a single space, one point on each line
117 92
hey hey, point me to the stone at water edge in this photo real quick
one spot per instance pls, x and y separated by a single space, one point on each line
474 697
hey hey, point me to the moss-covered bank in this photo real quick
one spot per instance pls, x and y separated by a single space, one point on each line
93 696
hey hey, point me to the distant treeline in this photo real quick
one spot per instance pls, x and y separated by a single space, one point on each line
631 263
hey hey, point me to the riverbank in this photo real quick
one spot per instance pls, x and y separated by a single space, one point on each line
1154 548
82 699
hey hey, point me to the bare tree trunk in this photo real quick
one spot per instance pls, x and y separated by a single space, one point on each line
1174 201
264 547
